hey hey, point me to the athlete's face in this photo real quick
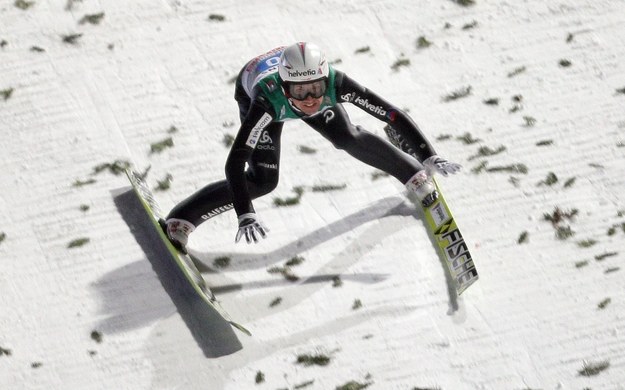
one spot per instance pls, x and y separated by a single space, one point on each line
307 97
308 106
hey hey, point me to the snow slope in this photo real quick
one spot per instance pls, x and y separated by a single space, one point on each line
543 310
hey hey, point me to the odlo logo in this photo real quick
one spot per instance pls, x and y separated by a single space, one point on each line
265 138
308 72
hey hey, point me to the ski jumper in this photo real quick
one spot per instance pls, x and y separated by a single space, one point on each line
263 109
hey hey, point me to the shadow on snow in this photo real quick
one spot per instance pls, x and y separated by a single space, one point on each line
145 302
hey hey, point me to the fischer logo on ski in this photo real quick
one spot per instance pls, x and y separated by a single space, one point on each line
452 246
442 226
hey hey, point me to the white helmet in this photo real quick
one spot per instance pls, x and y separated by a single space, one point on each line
302 62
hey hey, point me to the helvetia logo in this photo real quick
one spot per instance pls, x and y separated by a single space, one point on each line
371 107
307 72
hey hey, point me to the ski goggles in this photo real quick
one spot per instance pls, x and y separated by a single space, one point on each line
301 91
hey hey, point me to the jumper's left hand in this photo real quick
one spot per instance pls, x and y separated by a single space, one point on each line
438 164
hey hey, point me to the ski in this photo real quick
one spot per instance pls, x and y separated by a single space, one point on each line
442 225
183 261
451 244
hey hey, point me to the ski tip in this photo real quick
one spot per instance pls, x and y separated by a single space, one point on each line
240 327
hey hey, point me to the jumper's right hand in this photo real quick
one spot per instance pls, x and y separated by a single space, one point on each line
251 228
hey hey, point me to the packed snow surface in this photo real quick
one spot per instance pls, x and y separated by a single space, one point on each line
529 96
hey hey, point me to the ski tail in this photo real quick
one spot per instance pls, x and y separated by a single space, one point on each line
182 260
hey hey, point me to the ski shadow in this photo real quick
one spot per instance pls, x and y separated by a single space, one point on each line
383 208
366 278
386 214
133 299
147 303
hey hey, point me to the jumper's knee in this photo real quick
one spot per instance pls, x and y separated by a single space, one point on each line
263 179
267 186
349 139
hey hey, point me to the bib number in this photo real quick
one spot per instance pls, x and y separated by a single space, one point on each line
265 65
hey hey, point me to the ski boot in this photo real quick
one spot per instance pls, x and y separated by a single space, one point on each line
177 231
423 186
